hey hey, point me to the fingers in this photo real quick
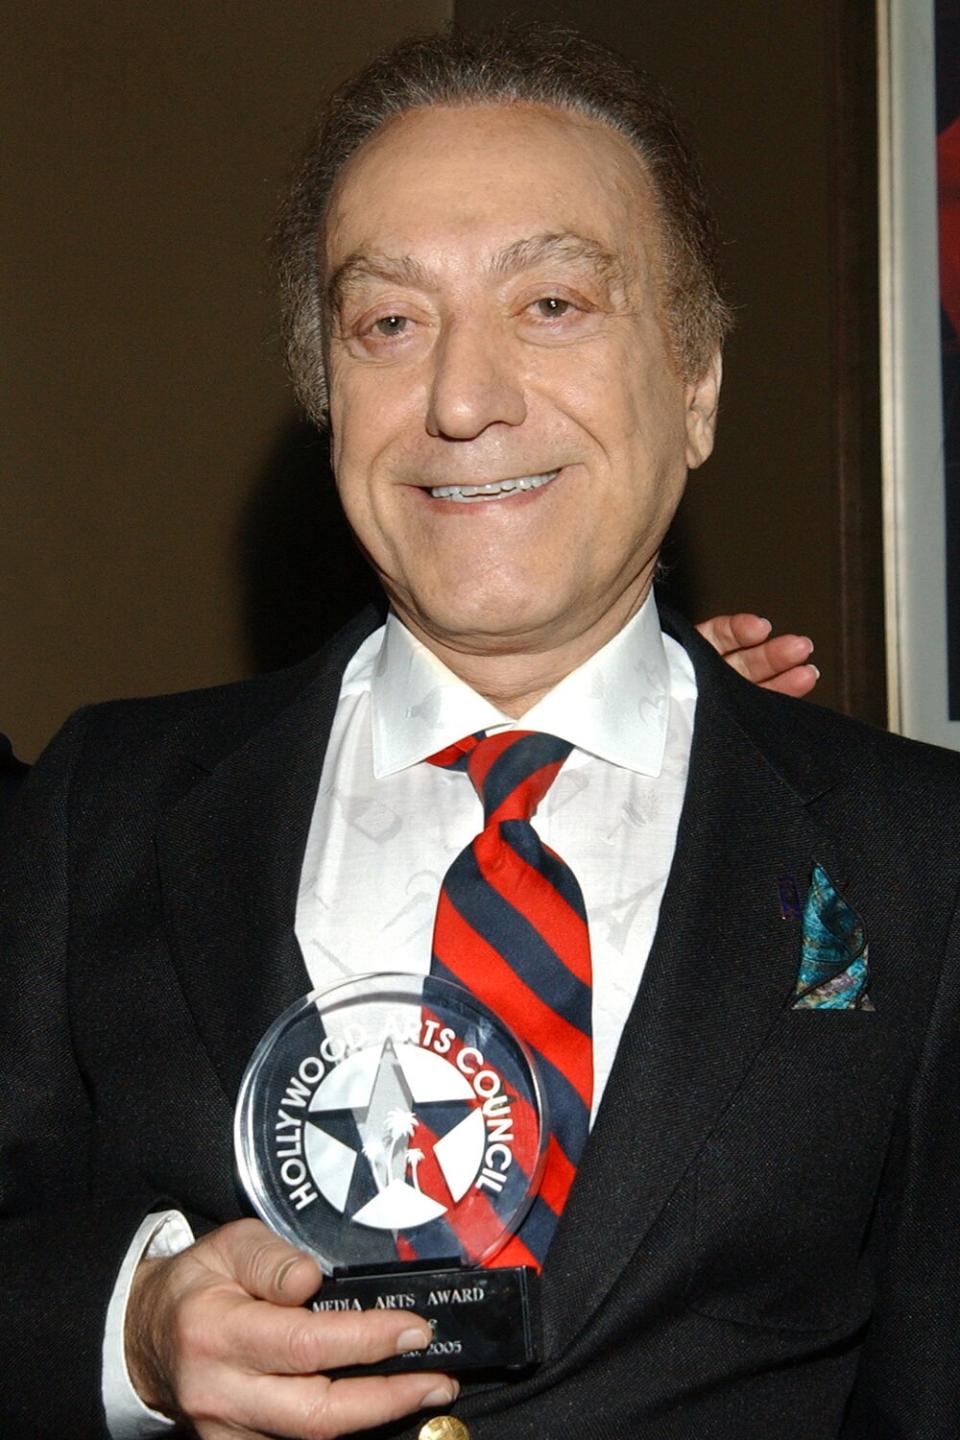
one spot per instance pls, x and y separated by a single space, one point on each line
252 1365
796 682
727 633
762 663
316 1408
777 662
770 664
218 1335
263 1337
262 1264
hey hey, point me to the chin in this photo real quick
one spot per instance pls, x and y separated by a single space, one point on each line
495 624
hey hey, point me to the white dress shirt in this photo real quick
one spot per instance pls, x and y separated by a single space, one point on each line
386 826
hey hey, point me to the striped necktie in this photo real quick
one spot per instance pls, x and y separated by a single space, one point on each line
511 928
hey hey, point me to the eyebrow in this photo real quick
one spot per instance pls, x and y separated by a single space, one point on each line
564 246
373 265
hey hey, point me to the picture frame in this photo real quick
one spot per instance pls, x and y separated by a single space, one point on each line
921 520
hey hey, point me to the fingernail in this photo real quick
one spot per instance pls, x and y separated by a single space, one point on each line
815 670
412 1340
443 1395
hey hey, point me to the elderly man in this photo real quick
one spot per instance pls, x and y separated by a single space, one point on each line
499 274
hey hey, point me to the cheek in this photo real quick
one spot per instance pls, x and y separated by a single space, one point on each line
374 410
575 381
357 438
625 397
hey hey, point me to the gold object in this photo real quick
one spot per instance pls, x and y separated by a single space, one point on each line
444 1427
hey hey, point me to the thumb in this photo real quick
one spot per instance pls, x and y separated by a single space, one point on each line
266 1266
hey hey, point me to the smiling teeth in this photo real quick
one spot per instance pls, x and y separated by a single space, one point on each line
496 488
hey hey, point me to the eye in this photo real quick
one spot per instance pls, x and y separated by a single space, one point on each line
390 325
552 307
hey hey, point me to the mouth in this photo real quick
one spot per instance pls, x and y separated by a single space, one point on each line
495 490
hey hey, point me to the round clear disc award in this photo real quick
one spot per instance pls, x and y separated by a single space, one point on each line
392 1126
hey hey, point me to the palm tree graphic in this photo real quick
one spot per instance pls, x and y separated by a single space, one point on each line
413 1160
399 1128
373 1150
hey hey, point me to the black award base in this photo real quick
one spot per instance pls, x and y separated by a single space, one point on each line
482 1319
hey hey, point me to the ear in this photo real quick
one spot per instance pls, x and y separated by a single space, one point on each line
702 399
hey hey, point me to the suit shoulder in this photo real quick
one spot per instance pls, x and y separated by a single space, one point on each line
122 736
810 735
874 781
849 730
802 728
123 732
815 727
150 716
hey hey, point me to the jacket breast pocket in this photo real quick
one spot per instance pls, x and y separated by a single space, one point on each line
786 1185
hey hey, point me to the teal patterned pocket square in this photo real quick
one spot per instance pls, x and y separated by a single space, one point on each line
834 970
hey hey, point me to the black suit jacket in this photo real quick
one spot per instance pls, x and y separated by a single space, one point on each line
12 773
761 1240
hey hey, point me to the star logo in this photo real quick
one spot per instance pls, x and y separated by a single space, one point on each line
379 1122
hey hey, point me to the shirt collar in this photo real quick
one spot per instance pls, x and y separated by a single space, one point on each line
615 706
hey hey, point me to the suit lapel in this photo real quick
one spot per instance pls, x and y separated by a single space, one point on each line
230 855
721 970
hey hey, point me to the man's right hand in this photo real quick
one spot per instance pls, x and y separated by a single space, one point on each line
218 1335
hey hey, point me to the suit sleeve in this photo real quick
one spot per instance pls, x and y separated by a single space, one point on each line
64 1227
908 1381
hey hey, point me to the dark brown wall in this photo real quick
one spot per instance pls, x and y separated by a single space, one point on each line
146 419
163 520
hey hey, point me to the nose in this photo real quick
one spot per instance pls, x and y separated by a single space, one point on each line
475 384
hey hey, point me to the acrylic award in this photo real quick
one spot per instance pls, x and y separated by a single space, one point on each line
393 1127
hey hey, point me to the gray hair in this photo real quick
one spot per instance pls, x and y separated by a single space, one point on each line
527 64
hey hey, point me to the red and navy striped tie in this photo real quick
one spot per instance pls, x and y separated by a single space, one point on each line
511 928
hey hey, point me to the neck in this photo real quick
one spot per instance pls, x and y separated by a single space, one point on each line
513 675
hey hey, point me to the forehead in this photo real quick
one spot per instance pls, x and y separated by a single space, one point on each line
482 175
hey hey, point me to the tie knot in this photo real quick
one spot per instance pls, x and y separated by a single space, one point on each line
511 771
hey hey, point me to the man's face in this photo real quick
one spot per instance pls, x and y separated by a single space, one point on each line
496 322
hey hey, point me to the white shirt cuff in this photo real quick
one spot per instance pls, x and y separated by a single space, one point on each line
163 1233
